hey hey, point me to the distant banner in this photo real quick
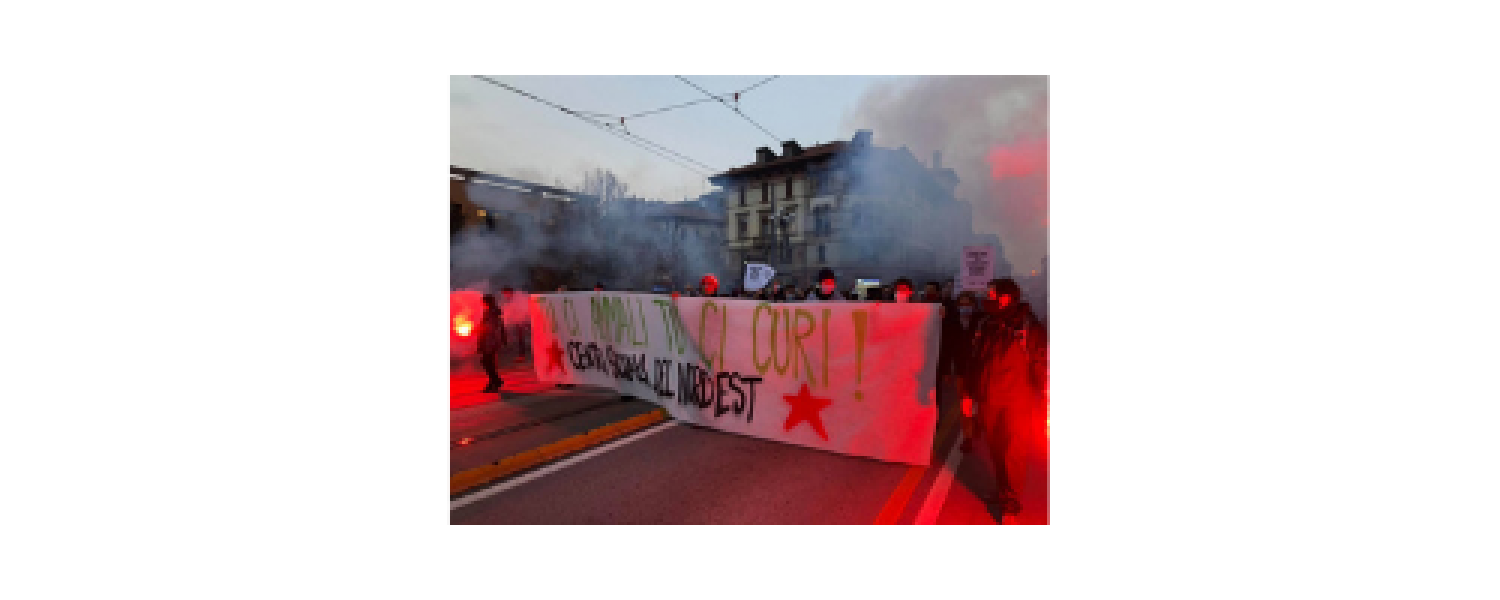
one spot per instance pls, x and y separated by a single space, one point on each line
976 268
854 378
758 275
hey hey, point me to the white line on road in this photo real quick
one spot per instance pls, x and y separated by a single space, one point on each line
562 464
939 493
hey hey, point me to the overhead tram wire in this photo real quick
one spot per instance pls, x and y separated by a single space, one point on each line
698 168
762 82
684 104
735 109
630 137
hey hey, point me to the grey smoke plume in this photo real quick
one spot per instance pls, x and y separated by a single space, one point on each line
609 242
992 131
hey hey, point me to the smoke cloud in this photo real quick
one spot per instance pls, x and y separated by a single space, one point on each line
539 244
992 131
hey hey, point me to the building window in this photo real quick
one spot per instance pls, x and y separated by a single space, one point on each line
765 224
743 221
742 194
822 223
822 255
765 192
789 195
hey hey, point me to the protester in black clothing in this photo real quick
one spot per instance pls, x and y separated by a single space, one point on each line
827 290
903 291
959 333
1008 389
950 335
491 338
933 293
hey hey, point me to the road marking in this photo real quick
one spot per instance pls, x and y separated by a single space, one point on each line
562 464
896 504
939 493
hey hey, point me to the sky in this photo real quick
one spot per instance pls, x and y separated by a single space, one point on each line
991 130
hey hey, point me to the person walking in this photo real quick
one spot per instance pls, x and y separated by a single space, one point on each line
1009 397
491 338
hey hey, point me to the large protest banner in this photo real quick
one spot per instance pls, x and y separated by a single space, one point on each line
855 378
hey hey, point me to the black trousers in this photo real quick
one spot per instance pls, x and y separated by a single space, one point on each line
491 363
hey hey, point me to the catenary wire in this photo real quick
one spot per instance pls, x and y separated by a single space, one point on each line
639 141
726 105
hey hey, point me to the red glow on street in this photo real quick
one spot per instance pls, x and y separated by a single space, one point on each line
462 325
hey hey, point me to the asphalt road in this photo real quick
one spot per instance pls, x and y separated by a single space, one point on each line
675 473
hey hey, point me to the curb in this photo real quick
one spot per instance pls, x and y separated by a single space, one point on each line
468 480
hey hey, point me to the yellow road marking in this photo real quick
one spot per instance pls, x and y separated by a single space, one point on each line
505 467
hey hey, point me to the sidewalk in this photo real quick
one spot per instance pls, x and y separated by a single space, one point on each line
466 379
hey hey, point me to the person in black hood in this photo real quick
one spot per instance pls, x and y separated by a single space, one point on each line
1007 384
491 338
950 331
827 290
903 291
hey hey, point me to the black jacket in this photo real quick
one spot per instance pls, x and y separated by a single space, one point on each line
491 330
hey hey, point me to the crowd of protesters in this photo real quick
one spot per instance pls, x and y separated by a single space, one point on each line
993 351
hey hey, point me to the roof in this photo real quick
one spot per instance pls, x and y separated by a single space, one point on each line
678 211
483 177
820 151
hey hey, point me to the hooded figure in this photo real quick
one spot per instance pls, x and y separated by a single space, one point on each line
491 338
827 290
1008 388
903 291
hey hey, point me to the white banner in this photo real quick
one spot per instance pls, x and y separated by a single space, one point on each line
976 268
855 378
758 275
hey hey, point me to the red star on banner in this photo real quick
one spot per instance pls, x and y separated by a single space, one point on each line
554 357
806 407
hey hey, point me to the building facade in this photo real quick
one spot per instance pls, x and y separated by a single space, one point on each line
864 211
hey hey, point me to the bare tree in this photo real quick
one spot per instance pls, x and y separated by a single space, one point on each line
604 184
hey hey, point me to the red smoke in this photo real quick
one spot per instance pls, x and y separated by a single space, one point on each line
1018 186
1018 159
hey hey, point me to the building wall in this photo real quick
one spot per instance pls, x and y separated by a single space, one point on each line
926 248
